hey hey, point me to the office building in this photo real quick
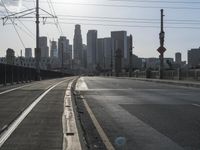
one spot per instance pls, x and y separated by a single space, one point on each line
84 56
78 45
194 58
100 59
178 58
91 49
28 52
10 56
43 47
120 50
53 49
64 52
136 62
108 53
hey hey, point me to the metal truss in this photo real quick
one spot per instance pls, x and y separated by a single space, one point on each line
30 13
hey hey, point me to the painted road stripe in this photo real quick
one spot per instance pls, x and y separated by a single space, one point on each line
10 90
102 134
5 135
197 105
81 85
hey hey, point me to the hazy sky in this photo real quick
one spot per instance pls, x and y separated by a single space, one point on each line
145 39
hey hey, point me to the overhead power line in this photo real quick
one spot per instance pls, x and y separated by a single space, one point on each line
122 25
13 24
128 18
55 20
125 6
32 35
141 1
195 22
156 1
130 25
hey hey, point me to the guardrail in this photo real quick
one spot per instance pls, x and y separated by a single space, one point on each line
18 74
192 74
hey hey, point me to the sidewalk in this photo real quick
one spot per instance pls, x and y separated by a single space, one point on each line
195 84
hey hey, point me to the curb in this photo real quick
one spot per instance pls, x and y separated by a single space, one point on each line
71 140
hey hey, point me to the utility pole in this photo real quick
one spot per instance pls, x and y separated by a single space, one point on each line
161 49
37 49
130 55
27 15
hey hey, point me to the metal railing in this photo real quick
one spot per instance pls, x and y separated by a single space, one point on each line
10 74
193 74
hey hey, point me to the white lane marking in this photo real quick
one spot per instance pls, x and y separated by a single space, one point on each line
100 130
81 85
6 134
70 142
48 87
10 90
198 105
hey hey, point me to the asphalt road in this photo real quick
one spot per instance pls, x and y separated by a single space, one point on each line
42 128
140 115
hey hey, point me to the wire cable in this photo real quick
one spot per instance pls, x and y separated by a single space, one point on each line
129 6
13 25
59 26
125 25
156 1
31 33
25 32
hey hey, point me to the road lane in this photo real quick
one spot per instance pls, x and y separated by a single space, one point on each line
42 128
145 115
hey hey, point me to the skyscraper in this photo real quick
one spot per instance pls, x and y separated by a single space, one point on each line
43 46
28 52
178 58
100 59
64 53
84 56
78 54
194 58
10 56
69 56
120 49
107 53
54 49
91 49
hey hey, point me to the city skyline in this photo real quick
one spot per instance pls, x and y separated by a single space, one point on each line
145 39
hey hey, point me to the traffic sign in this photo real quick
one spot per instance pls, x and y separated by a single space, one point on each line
161 49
